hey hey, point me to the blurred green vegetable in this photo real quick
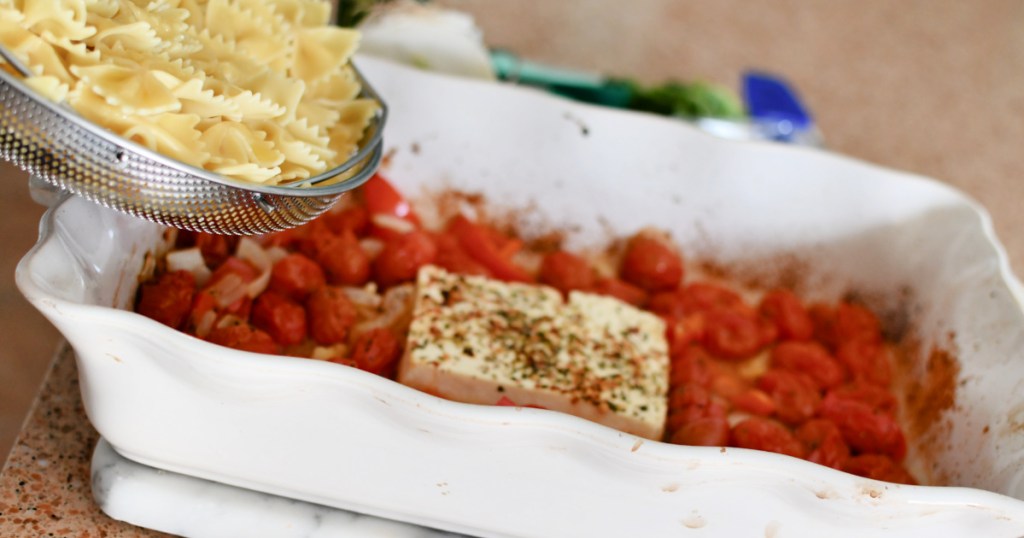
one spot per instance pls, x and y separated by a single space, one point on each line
685 100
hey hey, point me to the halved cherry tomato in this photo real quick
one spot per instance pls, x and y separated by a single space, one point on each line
478 242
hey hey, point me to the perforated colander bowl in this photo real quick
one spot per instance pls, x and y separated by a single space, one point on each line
67 151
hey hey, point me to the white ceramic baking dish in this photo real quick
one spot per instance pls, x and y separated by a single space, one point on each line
914 249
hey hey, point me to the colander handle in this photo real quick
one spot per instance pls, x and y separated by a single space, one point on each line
43 192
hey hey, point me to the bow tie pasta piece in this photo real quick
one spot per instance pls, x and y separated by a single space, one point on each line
56 17
233 143
34 52
321 51
174 135
308 13
256 90
136 91
50 87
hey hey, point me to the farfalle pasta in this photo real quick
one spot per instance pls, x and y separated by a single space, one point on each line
256 90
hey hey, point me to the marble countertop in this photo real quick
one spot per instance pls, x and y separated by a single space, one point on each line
934 87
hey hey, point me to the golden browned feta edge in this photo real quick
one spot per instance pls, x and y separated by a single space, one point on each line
474 340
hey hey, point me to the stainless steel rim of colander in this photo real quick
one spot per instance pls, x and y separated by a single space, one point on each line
304 188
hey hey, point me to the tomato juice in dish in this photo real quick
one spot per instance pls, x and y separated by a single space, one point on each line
808 380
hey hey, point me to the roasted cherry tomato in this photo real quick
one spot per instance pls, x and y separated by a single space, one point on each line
878 467
703 431
732 334
479 243
623 291
280 317
795 395
215 248
810 358
707 296
244 337
867 360
296 276
566 272
168 299
402 257
681 333
766 434
877 398
354 220
330 315
381 197
855 322
754 401
376 351
341 257
784 309
865 429
691 365
651 263
824 442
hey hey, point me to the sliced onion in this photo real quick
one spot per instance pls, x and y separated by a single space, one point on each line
371 246
324 353
205 323
251 251
528 260
393 223
191 260
366 296
229 320
396 310
228 290
276 254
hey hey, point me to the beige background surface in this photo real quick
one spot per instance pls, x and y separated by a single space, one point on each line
934 87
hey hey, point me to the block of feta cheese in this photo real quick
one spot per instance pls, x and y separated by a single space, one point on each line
475 340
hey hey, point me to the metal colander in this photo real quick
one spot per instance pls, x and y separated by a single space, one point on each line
52 142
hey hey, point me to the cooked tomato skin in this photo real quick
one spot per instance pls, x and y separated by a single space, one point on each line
878 467
824 442
681 333
879 399
381 197
784 309
376 351
855 322
795 395
766 434
691 365
754 401
168 299
402 257
215 248
452 258
810 358
621 290
244 337
296 276
566 272
651 264
280 317
330 315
